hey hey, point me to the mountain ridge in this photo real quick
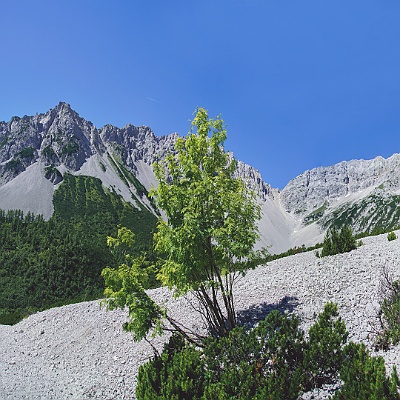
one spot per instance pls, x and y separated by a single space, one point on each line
36 151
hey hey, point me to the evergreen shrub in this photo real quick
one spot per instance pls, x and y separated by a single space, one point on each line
271 361
365 377
389 312
391 236
336 243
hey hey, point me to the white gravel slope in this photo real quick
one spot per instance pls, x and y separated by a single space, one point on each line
80 351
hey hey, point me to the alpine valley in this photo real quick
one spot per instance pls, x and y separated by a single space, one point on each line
66 185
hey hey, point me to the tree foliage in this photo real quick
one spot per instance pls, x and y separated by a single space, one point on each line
206 241
126 285
210 231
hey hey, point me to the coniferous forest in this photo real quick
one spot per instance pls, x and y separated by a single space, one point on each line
59 261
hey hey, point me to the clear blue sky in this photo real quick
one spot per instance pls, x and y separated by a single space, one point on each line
299 83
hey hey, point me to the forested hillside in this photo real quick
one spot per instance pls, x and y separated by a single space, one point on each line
45 263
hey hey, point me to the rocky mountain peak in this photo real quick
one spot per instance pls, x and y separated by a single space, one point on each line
64 107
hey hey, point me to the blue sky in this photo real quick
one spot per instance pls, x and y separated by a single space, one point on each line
299 83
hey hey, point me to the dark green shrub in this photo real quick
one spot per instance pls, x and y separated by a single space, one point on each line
389 312
28 152
53 173
391 236
323 355
247 365
365 377
14 164
336 243
48 151
271 361
70 148
175 374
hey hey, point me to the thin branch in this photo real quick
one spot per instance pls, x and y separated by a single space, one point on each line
156 353
185 332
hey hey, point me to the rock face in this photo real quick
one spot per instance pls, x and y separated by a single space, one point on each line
62 137
58 137
314 188
138 143
363 193
36 151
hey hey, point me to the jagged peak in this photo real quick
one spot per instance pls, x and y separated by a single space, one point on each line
63 108
62 105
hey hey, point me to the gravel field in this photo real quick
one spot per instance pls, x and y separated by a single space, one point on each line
80 351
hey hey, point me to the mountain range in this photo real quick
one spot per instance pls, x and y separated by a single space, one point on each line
37 152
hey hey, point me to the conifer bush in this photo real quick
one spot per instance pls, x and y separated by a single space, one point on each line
175 374
389 312
273 361
365 377
336 243
391 236
323 355
270 361
250 365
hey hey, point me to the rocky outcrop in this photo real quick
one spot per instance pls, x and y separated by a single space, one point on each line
254 180
57 137
62 137
325 185
137 143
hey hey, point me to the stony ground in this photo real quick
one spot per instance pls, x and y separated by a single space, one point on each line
80 351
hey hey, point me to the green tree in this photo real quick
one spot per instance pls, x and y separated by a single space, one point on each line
207 239
347 241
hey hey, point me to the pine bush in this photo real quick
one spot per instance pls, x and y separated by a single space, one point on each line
391 236
175 374
324 354
336 243
389 312
272 361
365 377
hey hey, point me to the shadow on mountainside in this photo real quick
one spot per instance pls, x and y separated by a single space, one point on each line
257 312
